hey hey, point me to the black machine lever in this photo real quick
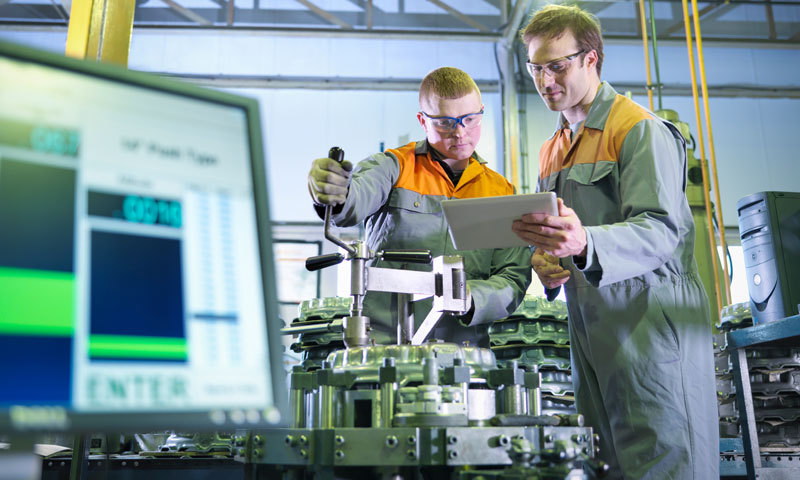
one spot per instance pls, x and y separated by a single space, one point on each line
322 261
407 256
335 153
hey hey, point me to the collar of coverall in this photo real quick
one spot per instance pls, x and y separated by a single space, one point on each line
598 112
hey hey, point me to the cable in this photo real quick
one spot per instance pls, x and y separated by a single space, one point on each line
655 52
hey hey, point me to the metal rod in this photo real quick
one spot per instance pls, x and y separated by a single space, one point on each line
333 238
464 18
325 15
711 150
387 404
186 13
514 400
297 399
770 20
326 419
517 16
712 242
78 469
643 23
747 421
655 51
405 319
332 326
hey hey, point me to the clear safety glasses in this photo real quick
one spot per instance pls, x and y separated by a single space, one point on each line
553 67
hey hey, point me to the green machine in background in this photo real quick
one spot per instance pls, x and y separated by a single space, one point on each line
694 194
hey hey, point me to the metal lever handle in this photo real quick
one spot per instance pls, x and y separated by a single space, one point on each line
335 326
407 256
335 153
322 261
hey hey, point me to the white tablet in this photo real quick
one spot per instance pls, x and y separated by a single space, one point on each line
486 222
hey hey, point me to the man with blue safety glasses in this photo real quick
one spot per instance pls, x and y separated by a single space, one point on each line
398 195
448 124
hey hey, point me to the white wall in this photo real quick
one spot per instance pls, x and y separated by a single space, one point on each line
753 138
302 124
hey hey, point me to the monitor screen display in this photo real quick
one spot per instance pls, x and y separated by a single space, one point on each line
136 275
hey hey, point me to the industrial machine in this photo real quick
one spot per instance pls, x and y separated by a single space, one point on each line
422 408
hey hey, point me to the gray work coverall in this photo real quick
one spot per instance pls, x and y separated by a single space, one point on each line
639 324
398 194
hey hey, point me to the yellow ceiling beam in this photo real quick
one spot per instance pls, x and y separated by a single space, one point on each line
101 30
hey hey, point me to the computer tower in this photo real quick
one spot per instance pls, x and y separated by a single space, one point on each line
769 226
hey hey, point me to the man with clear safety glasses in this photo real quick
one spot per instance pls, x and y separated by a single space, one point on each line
398 194
622 246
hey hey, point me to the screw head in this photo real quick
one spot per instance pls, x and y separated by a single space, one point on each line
452 439
411 454
339 454
391 441
339 440
303 440
453 454
412 440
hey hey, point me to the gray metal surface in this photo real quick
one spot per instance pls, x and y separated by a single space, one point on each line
324 308
410 446
529 332
364 362
774 433
785 332
380 408
479 446
553 356
535 307
219 443
775 383
557 383
735 316
774 359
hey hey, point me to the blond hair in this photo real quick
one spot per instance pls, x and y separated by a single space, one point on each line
447 82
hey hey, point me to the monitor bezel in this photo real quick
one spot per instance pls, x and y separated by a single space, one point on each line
199 420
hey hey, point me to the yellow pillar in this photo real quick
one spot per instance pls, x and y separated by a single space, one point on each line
101 30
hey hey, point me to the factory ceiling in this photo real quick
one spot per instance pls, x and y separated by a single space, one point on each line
769 23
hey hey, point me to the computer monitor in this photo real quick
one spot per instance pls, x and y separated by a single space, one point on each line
137 284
